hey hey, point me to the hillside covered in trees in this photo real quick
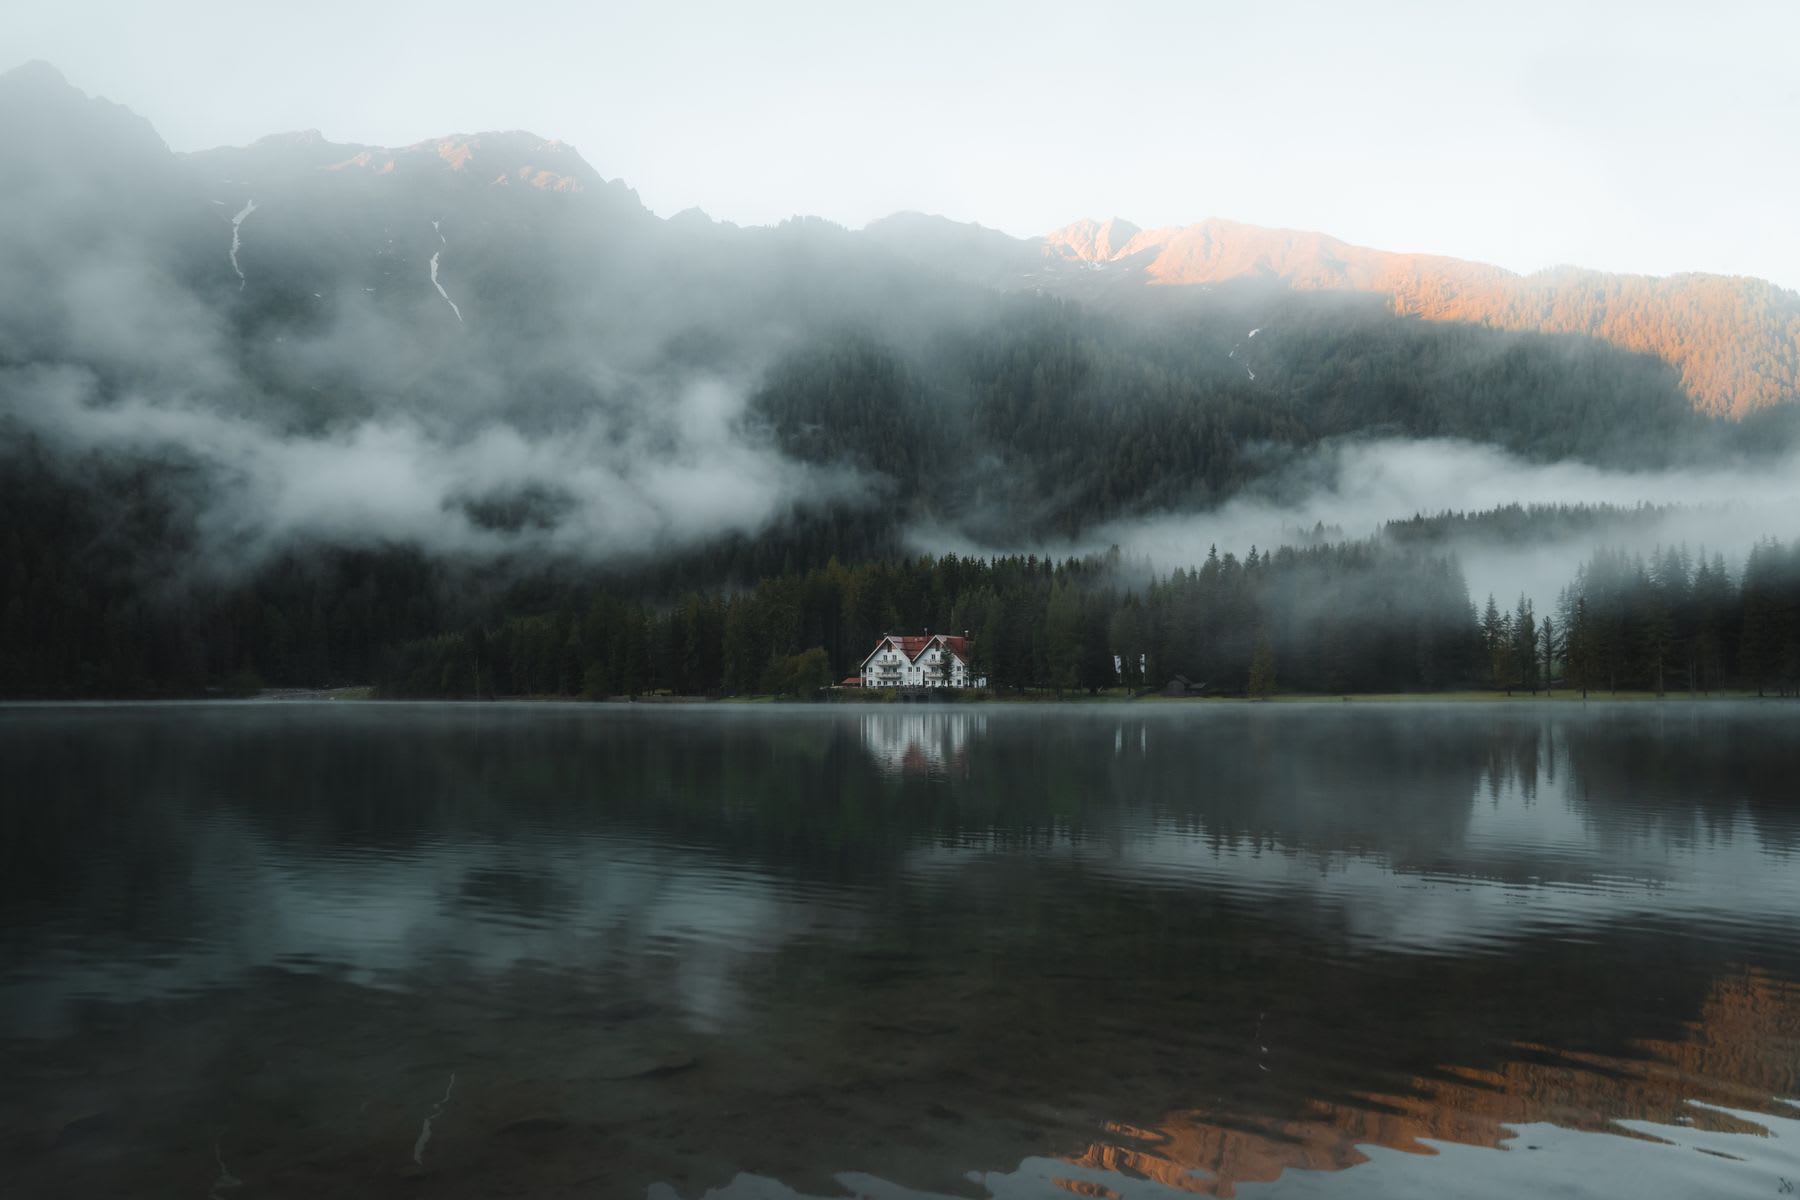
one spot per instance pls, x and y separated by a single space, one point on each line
1342 618
1734 340
302 404
1048 418
1357 616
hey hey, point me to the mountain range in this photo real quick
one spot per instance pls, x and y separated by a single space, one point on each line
1735 340
273 410
295 220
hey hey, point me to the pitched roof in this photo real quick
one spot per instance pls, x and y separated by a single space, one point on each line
959 646
909 646
912 647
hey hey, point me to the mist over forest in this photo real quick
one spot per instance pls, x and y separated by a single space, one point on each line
308 413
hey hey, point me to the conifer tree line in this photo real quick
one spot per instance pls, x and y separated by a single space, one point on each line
86 610
1361 616
91 603
1055 415
1674 621
1345 618
1669 621
1527 524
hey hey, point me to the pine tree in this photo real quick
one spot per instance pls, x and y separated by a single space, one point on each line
1578 647
1547 634
570 663
634 665
1759 643
1712 603
1261 684
1063 638
1493 632
1525 646
1505 656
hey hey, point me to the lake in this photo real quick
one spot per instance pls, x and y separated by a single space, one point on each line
1131 950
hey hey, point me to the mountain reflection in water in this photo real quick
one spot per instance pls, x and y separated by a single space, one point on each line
1699 1084
1206 949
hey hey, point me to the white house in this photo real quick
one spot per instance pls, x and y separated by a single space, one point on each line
936 660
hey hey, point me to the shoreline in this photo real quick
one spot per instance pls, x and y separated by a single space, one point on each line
365 694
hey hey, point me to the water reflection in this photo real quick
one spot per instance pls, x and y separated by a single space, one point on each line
1723 1076
1112 950
933 741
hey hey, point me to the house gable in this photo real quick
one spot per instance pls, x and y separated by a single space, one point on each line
957 646
908 648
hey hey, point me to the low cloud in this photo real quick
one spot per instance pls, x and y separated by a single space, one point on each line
602 486
1354 488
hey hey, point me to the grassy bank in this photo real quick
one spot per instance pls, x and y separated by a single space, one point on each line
1105 696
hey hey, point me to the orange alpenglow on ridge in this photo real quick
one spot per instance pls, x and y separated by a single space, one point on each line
1734 339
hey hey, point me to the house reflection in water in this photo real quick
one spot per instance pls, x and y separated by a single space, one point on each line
934 742
1741 1055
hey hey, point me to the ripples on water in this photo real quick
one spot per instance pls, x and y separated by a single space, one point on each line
1215 949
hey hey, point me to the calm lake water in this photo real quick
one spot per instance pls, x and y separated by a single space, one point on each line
1126 951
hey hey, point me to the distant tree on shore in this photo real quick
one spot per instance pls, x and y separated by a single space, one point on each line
1261 684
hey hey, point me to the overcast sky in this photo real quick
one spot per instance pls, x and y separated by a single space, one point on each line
1629 136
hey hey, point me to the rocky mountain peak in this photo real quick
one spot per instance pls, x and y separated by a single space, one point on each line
35 74
1088 240
50 128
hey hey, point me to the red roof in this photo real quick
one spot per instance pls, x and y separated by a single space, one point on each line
851 681
958 646
912 647
909 646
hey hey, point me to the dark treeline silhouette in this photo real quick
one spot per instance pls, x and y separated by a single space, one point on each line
1360 616
1675 621
82 614
93 603
164 440
103 592
1659 622
1528 523
1352 617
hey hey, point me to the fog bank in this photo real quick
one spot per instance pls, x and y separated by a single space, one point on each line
597 488
1353 488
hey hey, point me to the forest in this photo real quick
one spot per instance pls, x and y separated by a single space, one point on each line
1670 621
1401 620
93 603
680 455
1354 617
1029 424
1048 417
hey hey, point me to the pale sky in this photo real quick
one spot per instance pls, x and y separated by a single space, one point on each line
1651 137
